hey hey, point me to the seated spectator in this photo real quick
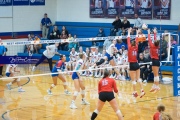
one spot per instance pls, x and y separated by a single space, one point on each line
160 114
64 29
164 48
29 48
55 34
72 44
36 45
147 53
117 26
120 43
125 25
63 45
143 67
100 34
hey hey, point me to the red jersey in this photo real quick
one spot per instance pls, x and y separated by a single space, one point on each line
132 51
156 116
154 51
107 85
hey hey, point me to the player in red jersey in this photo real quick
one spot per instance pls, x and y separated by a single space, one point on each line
133 65
105 90
154 52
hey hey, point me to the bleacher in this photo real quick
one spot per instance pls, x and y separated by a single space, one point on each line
87 30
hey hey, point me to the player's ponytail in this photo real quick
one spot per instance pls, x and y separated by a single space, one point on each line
156 43
106 73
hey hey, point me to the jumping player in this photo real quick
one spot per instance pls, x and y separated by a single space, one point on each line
154 52
105 90
10 72
59 66
133 65
109 57
78 83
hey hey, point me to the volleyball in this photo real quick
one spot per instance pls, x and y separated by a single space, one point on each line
144 26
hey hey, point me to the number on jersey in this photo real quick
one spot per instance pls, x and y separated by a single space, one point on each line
134 53
104 82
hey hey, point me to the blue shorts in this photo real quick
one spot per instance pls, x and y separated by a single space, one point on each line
108 56
75 76
8 74
54 71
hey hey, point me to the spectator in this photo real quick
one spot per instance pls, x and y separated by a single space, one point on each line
125 26
107 43
117 26
72 44
160 114
147 53
55 34
100 34
120 43
138 22
63 45
45 24
163 48
29 48
36 45
173 43
64 29
2 53
143 67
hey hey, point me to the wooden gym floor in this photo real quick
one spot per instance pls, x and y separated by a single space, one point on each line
35 104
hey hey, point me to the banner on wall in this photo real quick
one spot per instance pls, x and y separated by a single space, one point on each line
162 9
111 8
37 2
20 2
97 9
5 2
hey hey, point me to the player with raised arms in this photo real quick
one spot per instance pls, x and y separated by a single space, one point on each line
154 52
59 67
133 64
106 87
78 82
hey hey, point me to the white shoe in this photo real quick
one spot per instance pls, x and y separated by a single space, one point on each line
111 76
123 78
8 86
84 102
49 92
84 74
118 77
33 68
91 74
102 76
73 106
145 81
114 76
21 90
67 92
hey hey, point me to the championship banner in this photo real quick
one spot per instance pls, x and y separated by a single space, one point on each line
97 9
127 8
20 2
37 2
176 72
144 9
5 2
162 9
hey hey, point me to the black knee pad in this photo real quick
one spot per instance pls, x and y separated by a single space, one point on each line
100 62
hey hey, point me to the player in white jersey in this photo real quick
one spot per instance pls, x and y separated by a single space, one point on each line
110 4
145 3
109 57
78 83
48 54
10 72
165 3
73 57
125 69
129 3
96 57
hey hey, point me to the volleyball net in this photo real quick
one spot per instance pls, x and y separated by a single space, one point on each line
23 53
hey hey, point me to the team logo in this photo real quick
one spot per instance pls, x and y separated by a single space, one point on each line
33 1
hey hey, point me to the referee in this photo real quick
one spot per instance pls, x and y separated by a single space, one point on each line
105 90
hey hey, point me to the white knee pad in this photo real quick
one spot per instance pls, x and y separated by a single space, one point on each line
118 111
156 79
139 80
134 82
75 93
123 70
19 79
96 111
52 85
65 83
83 92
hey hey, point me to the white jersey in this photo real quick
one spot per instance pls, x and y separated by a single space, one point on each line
144 3
79 63
96 3
111 49
120 60
111 3
125 58
13 66
167 4
128 3
73 56
52 51
95 56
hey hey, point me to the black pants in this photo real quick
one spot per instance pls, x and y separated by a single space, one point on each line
143 73
1 69
42 59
